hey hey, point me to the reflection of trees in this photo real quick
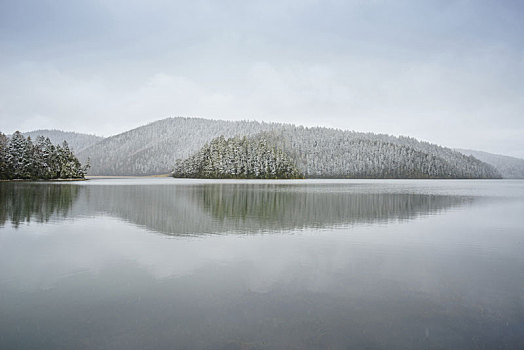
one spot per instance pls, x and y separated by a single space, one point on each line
24 202
290 207
215 208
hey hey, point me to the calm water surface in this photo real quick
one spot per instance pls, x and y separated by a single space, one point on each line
190 264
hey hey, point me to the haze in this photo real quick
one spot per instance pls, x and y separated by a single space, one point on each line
449 72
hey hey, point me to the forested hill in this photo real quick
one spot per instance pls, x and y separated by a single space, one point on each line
509 167
76 141
331 153
154 148
326 153
320 152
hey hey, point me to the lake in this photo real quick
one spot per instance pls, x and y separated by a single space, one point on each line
162 263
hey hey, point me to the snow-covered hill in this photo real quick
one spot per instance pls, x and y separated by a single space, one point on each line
320 152
332 153
154 148
77 141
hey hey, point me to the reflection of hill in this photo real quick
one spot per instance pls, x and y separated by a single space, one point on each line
289 207
216 208
23 202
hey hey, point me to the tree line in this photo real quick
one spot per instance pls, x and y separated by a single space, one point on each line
20 158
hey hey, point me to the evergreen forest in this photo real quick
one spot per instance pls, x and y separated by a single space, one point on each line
326 153
238 157
21 158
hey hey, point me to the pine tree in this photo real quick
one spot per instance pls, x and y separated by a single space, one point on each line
15 157
50 158
4 168
28 169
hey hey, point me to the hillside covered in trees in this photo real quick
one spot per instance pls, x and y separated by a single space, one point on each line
76 141
331 153
327 153
154 148
318 152
20 158
246 158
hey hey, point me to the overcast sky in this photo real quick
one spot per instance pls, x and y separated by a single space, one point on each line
449 72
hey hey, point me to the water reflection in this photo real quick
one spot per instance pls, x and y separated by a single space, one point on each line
217 208
450 281
290 207
24 202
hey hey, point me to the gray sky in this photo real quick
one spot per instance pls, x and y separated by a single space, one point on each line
449 72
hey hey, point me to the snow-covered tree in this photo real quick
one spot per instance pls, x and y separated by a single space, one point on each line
15 156
245 158
4 168
21 159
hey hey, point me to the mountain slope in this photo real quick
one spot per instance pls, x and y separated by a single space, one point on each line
328 153
154 148
324 152
319 152
77 142
509 167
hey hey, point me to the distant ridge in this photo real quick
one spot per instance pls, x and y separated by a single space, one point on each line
509 167
77 141
320 152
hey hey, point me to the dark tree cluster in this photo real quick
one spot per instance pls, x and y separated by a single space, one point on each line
240 158
20 158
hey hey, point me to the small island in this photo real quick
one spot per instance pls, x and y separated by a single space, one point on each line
21 159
